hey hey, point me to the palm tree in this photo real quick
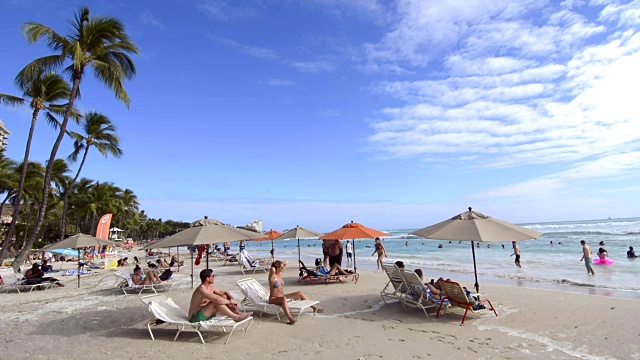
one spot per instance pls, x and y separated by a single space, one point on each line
8 181
98 42
40 92
99 133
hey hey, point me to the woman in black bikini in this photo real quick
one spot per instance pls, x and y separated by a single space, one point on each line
382 253
276 290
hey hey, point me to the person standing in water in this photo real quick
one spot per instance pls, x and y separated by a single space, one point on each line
587 257
516 252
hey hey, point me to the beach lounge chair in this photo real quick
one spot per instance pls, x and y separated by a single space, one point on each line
247 266
395 287
126 284
418 295
15 281
457 296
256 298
310 275
169 313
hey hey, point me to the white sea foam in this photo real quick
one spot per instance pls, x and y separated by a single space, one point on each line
549 343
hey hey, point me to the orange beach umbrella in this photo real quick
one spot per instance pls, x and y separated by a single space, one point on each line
269 235
353 231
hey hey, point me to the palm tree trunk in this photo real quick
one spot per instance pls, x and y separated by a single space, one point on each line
47 175
63 221
23 176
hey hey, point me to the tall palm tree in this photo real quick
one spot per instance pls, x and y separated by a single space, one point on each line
99 133
41 92
8 181
99 42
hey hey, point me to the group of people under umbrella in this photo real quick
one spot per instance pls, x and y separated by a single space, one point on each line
469 226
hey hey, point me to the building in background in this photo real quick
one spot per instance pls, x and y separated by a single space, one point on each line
4 135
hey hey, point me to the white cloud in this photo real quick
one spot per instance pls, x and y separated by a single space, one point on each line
230 10
149 19
521 106
313 66
280 82
255 51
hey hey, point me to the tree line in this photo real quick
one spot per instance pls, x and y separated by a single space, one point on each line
48 203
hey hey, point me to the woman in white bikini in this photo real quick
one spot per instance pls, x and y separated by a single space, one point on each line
276 290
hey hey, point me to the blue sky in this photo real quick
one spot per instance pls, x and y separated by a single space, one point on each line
395 114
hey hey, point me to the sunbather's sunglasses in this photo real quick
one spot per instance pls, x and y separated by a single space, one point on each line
213 275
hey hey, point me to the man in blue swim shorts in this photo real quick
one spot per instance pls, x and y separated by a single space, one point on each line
207 301
587 257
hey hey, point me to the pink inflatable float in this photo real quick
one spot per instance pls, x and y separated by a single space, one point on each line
606 261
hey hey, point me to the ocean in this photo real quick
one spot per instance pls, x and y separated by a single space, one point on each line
550 262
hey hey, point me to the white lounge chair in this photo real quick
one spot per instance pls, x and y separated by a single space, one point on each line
15 281
126 284
256 298
457 297
167 311
395 287
418 295
247 266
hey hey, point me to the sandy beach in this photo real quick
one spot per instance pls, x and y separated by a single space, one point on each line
98 321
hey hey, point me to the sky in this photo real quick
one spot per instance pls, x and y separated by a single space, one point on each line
394 114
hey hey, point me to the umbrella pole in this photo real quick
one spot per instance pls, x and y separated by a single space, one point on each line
273 253
191 268
178 254
355 269
206 254
78 268
475 271
298 251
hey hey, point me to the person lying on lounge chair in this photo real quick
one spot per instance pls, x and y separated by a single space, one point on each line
335 269
35 276
276 290
174 261
162 264
149 279
207 301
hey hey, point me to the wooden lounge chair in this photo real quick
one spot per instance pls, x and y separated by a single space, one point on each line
168 312
457 297
395 287
418 295
256 298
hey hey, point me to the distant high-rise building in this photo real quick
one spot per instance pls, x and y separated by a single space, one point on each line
4 135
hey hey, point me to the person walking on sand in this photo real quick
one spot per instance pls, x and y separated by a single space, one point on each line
207 301
587 257
516 252
381 251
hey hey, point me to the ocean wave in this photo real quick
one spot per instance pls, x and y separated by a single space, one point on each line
595 232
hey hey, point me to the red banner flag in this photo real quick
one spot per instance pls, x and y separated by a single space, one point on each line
102 232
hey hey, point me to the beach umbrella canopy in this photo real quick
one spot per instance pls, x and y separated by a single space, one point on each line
78 241
71 252
354 231
474 226
298 233
204 232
